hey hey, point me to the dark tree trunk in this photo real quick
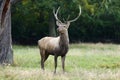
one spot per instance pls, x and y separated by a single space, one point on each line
6 54
52 31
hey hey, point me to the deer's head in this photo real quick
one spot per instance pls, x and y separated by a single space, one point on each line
63 26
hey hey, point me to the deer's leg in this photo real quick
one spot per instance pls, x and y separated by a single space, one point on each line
63 62
55 59
42 58
46 56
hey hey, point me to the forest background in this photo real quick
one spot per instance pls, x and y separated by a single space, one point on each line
99 21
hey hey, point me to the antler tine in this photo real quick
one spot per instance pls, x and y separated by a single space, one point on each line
68 17
77 16
64 19
55 14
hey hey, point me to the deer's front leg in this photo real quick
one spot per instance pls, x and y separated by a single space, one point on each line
55 59
63 62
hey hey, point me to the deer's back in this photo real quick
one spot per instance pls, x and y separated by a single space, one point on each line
49 43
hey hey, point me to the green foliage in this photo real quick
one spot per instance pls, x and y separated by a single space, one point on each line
28 23
100 20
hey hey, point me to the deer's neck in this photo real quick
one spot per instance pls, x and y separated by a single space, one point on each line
64 39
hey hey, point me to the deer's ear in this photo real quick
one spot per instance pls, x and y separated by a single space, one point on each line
57 23
68 24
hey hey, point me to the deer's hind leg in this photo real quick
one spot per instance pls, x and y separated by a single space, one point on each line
46 56
42 52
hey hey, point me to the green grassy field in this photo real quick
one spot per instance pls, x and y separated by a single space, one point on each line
83 62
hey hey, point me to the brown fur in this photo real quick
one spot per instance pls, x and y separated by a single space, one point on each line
48 43
57 46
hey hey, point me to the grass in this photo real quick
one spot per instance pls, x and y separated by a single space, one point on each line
83 62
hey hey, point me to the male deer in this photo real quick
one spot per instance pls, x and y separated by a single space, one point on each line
57 46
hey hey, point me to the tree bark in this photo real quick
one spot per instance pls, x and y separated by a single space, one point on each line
52 31
6 53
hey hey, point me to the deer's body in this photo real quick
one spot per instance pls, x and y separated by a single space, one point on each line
54 45
57 46
50 44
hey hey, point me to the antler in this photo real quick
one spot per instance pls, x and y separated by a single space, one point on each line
77 16
55 14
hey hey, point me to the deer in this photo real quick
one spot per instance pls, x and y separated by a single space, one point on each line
56 46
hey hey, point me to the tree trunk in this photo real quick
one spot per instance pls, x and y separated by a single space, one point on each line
52 31
6 53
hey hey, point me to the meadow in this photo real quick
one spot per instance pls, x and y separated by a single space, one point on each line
84 61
